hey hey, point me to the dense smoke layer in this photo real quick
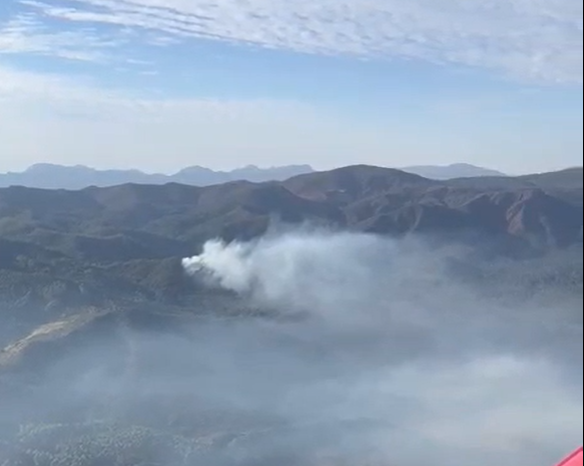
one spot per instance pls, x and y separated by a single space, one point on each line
369 352
441 373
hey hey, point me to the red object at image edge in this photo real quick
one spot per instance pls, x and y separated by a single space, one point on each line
575 459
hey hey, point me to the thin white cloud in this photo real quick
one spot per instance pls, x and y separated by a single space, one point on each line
537 40
27 34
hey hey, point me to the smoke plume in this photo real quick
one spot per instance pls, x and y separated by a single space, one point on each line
365 351
394 340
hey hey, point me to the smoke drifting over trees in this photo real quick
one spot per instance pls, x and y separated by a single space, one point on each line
341 349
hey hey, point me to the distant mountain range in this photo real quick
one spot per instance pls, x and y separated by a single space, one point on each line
49 176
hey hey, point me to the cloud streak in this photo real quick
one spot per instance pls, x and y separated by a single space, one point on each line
531 40
28 34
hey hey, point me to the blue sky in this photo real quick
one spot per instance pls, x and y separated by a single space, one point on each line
163 84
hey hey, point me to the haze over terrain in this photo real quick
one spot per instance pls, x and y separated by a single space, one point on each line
332 310
362 316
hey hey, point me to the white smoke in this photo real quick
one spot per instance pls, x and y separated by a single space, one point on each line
398 354
441 372
340 276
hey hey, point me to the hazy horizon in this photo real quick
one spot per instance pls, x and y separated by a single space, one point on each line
164 84
244 166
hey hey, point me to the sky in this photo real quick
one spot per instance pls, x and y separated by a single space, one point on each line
163 84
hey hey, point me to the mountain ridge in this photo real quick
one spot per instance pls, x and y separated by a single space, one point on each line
54 176
328 196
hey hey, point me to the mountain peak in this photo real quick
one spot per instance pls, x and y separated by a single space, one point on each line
455 170
50 167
